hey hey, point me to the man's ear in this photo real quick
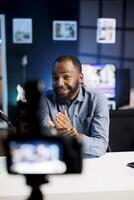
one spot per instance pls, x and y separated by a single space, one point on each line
81 78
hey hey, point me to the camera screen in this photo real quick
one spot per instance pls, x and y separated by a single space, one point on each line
36 157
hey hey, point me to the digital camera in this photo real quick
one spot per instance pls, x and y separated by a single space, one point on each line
29 154
33 150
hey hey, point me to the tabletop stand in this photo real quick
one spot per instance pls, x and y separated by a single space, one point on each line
35 181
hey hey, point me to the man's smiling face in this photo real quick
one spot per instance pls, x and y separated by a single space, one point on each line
66 79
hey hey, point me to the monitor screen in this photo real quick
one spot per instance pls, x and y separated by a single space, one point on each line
100 77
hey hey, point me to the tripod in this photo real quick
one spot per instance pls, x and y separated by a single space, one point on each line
35 181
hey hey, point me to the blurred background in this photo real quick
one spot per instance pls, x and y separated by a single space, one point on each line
30 57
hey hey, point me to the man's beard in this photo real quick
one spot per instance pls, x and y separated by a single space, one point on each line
71 92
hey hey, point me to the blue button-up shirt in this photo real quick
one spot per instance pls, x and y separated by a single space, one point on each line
89 114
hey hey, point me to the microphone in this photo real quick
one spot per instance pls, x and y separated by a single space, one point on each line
5 119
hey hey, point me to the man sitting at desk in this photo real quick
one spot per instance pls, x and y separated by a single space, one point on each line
75 110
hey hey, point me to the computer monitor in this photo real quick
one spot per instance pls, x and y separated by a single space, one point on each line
100 77
113 82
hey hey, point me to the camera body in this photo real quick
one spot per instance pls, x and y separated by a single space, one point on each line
29 154
34 149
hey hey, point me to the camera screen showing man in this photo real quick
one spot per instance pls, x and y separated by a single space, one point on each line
36 157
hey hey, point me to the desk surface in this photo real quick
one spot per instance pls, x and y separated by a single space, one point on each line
105 178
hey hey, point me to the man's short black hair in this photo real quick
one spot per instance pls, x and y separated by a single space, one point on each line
74 60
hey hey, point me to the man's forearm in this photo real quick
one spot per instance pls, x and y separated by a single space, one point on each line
94 146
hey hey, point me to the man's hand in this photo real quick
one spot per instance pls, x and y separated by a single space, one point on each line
64 126
63 121
51 124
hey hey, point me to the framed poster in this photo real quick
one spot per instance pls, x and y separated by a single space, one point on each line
22 30
106 30
65 30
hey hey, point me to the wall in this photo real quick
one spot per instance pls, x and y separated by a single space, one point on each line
44 50
120 53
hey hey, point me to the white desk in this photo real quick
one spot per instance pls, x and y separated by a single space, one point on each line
105 178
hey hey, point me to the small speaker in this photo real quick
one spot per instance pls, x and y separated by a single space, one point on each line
122 88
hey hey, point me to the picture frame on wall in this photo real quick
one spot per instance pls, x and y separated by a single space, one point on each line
64 30
106 30
22 30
